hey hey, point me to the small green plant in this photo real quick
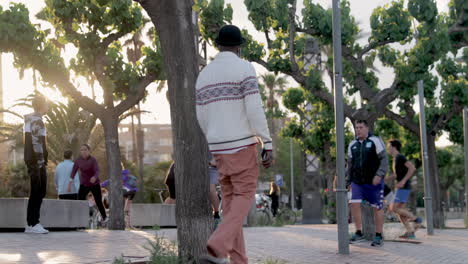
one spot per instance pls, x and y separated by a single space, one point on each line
278 222
120 260
274 261
156 227
162 252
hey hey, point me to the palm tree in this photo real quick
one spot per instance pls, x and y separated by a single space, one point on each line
67 128
273 87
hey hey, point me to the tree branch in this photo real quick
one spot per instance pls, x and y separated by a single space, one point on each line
443 119
406 121
111 38
373 45
307 31
267 36
456 28
134 98
292 34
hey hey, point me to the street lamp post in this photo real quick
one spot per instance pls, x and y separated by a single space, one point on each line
465 130
425 159
341 191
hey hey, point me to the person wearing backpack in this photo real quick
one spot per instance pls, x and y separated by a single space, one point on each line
129 186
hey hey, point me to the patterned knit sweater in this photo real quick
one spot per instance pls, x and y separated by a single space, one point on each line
229 106
35 150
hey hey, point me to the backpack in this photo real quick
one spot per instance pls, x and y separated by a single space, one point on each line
132 181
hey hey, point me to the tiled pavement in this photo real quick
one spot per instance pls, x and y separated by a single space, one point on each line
293 244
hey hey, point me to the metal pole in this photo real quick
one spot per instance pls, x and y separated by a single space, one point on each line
425 159
465 128
293 207
341 191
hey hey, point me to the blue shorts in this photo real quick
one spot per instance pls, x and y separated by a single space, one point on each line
402 195
373 194
213 172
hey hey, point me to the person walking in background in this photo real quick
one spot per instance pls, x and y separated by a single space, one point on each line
230 114
274 194
367 166
129 186
170 183
403 170
35 157
214 175
89 178
62 176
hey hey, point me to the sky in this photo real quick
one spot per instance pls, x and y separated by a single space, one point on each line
156 103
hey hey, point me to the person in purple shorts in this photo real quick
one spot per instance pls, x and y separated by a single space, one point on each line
129 189
367 166
403 170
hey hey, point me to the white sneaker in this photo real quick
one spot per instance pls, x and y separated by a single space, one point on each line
27 229
37 229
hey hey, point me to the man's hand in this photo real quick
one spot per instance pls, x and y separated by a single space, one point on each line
400 184
392 177
267 158
377 180
92 180
69 187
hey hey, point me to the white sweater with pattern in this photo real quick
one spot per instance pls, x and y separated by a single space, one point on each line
229 106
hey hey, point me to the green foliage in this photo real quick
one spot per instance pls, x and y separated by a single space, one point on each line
388 129
451 165
213 16
391 23
318 19
423 10
163 252
293 98
251 49
94 28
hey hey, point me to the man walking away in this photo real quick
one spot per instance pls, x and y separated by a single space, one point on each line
35 157
403 170
231 115
62 178
367 166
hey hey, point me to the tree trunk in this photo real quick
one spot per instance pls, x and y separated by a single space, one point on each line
434 183
134 141
141 167
140 134
110 124
173 21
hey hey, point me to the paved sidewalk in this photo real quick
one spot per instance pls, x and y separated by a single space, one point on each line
292 244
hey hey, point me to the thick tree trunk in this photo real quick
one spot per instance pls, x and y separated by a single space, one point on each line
434 182
173 21
110 124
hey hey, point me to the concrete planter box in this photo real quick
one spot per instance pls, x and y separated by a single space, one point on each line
54 213
153 214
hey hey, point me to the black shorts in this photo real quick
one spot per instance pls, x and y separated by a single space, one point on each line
171 188
129 194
